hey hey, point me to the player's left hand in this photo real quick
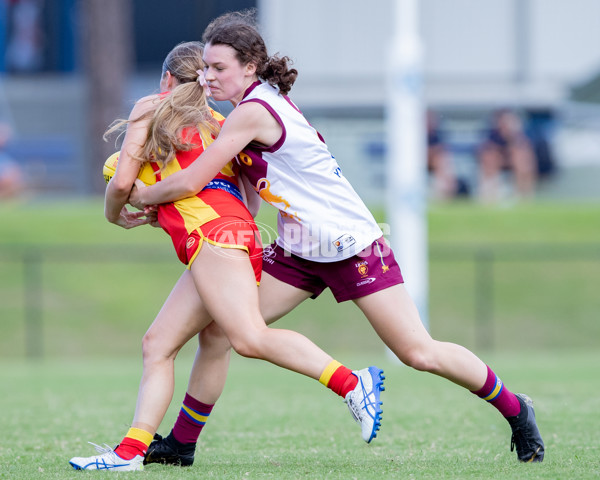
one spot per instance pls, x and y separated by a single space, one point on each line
128 220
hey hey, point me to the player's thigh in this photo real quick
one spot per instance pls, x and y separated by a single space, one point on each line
395 318
181 317
226 283
278 298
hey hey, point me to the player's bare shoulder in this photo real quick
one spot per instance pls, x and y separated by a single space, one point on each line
256 117
146 104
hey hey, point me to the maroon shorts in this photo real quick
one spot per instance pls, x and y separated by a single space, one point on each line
370 271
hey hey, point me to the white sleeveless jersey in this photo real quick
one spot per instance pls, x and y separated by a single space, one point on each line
321 217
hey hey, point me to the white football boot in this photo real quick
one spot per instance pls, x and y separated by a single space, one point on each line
107 460
364 401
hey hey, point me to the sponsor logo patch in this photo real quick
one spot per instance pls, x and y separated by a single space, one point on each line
343 242
268 254
366 281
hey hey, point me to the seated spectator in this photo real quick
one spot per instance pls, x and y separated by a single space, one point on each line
439 164
12 182
507 149
538 130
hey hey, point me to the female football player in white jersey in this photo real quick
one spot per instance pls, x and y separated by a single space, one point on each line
327 237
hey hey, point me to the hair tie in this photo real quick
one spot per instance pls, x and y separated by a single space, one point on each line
203 83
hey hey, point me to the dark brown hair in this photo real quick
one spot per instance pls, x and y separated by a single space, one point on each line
239 31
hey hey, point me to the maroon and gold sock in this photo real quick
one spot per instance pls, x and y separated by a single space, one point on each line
136 442
338 378
191 420
495 393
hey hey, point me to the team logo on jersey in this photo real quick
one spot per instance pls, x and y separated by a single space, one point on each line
263 187
245 159
363 268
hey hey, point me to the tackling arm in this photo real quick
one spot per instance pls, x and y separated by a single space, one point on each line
242 126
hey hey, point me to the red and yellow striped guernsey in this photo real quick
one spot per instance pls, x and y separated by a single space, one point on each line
221 199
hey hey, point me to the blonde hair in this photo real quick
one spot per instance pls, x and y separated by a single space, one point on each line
181 113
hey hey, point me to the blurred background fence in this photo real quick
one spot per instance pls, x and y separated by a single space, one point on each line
70 67
74 300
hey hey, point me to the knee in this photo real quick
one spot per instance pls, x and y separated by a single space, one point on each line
422 359
154 350
148 342
248 345
213 338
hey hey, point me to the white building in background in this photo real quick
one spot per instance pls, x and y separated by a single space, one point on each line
478 55
476 52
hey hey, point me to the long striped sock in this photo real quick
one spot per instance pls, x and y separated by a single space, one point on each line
495 393
338 378
191 420
135 443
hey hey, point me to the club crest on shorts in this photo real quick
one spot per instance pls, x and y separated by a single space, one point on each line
362 268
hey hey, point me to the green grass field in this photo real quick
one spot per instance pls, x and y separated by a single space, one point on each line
272 424
101 286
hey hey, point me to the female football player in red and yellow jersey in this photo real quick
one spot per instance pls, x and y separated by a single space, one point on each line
214 234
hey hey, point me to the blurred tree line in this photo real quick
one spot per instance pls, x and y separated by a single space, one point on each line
108 54
103 42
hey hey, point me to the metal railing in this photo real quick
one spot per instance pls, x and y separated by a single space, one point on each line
33 260
484 258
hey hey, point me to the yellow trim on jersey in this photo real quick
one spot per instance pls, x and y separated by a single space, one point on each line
196 416
140 435
329 371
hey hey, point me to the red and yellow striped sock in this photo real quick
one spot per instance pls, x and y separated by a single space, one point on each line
136 442
338 378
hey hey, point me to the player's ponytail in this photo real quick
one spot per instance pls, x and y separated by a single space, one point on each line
180 113
277 73
184 110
